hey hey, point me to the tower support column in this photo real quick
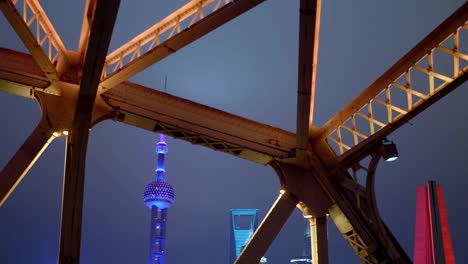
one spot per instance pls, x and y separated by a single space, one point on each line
319 239
158 196
432 241
157 235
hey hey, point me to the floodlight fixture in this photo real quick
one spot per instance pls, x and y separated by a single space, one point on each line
389 150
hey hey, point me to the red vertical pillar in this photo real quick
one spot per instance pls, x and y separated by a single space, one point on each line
433 244
422 237
447 241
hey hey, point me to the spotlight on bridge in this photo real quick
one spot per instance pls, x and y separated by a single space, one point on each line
389 150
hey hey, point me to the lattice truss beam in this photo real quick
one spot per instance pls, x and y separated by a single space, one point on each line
37 33
160 32
180 28
198 139
438 63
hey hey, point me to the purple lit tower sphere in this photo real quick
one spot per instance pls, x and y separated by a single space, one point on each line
158 196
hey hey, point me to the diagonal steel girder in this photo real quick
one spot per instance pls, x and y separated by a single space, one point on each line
72 202
24 159
359 118
142 56
88 15
271 225
44 36
309 27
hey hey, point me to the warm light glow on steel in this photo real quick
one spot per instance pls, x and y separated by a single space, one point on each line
361 118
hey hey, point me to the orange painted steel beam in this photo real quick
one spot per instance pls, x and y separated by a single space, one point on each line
362 106
256 141
88 15
179 39
22 73
319 239
362 149
75 162
24 159
268 230
199 124
153 34
309 27
44 35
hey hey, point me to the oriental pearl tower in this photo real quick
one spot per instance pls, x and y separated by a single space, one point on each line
158 196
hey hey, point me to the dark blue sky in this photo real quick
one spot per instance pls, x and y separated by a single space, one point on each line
247 67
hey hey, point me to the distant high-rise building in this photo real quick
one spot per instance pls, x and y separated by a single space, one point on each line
306 257
244 222
158 196
432 243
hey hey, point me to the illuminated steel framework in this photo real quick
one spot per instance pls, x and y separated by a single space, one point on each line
433 244
77 89
158 196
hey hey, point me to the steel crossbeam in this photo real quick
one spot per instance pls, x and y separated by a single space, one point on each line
160 112
189 23
37 33
19 73
180 118
409 83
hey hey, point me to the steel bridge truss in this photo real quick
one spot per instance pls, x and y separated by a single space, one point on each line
317 167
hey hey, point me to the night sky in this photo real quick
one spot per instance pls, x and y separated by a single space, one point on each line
247 67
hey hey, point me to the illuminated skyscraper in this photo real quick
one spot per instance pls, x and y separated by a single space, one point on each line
432 244
243 225
158 196
244 222
306 257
